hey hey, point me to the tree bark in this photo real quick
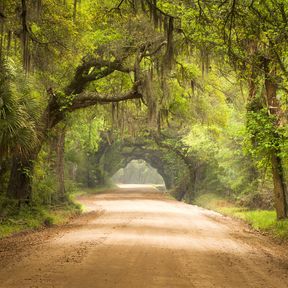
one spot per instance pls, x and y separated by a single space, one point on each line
60 150
279 187
74 10
276 164
2 30
4 168
25 36
20 183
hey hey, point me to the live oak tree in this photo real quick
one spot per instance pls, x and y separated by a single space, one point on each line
259 55
94 66
227 31
195 72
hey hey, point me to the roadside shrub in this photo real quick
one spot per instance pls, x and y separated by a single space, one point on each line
257 199
7 206
48 221
44 189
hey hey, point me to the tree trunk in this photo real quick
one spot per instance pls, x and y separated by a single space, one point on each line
276 163
279 187
25 36
20 183
191 184
2 30
74 10
4 169
60 150
88 155
166 178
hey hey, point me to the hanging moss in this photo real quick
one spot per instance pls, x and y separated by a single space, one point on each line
155 14
161 22
170 45
113 114
165 22
204 58
150 98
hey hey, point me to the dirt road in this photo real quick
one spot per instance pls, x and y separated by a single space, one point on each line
136 238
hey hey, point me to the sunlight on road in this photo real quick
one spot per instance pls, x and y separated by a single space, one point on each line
133 186
135 236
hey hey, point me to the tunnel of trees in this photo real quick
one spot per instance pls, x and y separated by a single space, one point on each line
138 171
197 89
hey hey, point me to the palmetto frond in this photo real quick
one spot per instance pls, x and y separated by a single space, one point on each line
17 122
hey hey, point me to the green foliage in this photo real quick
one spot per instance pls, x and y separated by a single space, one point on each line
64 101
44 187
82 141
263 137
202 141
19 112
35 217
262 220
85 131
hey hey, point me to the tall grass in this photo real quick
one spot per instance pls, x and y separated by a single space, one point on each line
34 217
262 220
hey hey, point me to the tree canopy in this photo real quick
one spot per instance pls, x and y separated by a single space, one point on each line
198 89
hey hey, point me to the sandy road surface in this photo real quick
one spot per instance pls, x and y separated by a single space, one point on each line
136 238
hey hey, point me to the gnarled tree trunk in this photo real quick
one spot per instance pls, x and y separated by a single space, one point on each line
276 163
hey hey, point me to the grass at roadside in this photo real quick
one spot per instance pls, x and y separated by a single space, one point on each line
89 191
262 220
35 217
97 190
14 219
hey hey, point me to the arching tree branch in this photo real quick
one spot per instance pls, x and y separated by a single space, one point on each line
87 99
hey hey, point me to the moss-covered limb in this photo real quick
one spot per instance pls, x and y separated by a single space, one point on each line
74 97
20 184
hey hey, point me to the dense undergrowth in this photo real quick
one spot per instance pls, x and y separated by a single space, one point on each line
14 219
36 216
259 219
